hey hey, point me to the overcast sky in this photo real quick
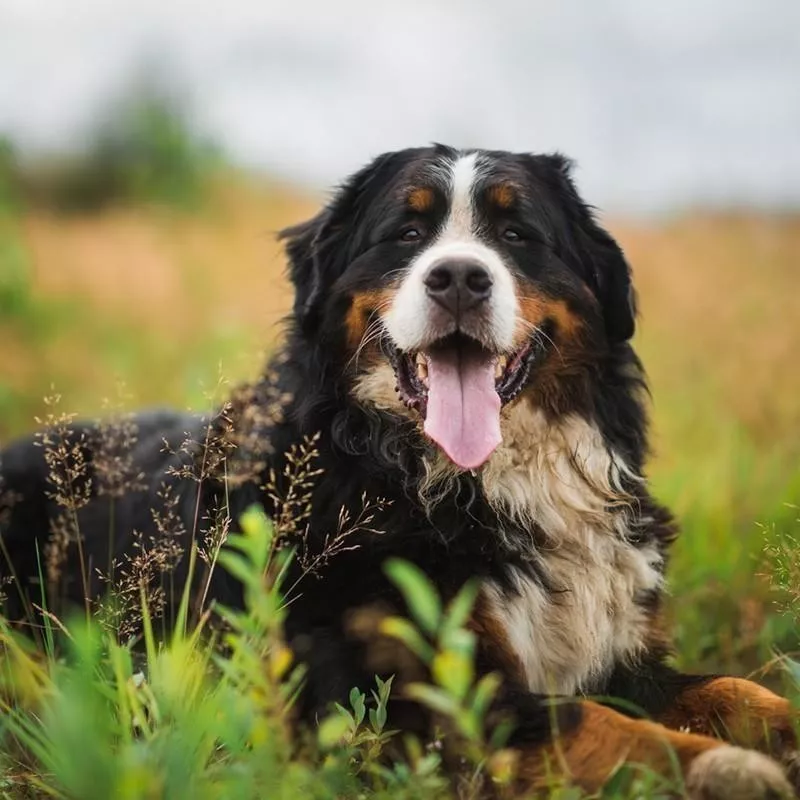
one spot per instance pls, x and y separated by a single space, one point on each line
663 104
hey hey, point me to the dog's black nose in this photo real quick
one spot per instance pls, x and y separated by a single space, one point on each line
458 285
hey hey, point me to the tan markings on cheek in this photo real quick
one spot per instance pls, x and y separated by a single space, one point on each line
420 199
363 313
502 195
535 311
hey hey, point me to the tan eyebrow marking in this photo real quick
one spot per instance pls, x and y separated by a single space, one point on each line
502 195
420 199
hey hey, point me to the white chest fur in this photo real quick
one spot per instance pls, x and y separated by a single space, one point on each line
569 639
563 479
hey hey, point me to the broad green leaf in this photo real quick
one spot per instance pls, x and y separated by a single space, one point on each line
357 704
239 567
453 672
333 731
377 718
433 698
403 630
418 592
460 607
484 693
458 640
347 715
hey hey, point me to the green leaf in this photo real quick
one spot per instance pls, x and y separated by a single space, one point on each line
453 672
258 534
619 785
332 732
238 567
458 640
501 734
433 698
484 693
344 713
377 718
384 688
460 607
403 630
357 704
418 592
179 630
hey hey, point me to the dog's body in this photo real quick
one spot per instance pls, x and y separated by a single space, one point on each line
460 343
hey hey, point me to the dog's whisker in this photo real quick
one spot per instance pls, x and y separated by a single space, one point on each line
372 332
537 331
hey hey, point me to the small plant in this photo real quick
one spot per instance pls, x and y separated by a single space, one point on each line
782 558
205 713
185 719
457 696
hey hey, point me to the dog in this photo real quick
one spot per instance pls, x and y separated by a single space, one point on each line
458 360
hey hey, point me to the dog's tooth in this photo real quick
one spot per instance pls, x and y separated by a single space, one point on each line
422 367
500 366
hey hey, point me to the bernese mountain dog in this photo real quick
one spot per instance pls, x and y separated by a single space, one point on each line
459 352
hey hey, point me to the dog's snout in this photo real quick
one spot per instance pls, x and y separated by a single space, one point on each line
459 285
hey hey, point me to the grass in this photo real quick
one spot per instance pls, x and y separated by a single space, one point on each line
208 713
196 717
152 295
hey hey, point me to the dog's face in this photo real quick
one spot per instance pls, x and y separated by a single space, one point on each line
448 283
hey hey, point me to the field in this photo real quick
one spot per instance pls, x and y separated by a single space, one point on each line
170 302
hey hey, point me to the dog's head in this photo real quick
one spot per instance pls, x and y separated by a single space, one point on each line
446 284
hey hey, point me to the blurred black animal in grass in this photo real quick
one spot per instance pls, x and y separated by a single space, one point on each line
458 376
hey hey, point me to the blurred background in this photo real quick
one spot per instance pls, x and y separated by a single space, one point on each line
150 150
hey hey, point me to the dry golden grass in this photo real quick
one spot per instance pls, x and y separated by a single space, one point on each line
170 271
720 305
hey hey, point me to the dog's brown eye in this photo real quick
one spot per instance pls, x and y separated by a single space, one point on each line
411 235
511 235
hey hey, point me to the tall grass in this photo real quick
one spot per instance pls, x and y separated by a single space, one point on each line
208 713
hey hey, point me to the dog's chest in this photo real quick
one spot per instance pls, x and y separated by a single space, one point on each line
568 629
568 634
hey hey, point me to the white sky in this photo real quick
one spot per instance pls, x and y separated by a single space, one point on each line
664 105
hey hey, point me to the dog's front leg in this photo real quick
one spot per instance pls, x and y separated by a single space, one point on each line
587 742
737 710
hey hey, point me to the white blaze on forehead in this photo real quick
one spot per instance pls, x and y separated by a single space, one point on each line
463 176
407 320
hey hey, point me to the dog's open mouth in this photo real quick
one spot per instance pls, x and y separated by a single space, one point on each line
459 387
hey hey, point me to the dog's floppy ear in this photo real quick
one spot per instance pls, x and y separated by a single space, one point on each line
318 249
303 247
615 288
602 257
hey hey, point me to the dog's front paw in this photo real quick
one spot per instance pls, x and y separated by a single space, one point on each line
732 773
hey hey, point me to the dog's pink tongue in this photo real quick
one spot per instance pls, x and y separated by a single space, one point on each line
463 415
